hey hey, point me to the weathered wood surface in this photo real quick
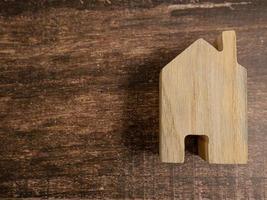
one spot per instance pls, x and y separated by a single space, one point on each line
79 98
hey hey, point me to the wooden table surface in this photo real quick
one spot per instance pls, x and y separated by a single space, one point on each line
79 98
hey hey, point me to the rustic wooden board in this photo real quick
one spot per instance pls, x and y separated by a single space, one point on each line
79 99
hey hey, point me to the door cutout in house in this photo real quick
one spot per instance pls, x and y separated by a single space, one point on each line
197 145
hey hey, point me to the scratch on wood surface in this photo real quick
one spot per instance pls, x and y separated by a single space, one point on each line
206 5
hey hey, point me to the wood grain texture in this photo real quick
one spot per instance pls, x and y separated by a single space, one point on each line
79 99
203 92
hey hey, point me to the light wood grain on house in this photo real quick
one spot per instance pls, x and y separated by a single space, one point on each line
203 92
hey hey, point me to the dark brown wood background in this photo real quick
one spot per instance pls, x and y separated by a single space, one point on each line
79 98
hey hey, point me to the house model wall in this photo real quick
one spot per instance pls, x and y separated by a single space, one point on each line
203 92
